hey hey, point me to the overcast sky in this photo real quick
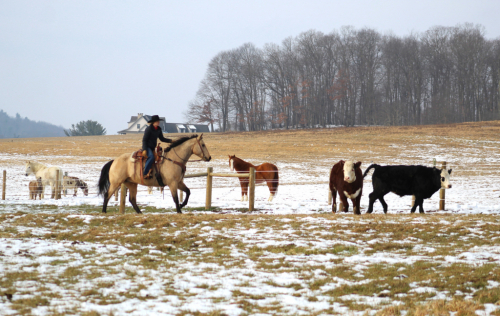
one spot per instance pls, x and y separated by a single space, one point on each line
67 61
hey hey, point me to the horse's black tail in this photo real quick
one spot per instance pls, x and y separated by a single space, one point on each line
104 179
276 182
368 169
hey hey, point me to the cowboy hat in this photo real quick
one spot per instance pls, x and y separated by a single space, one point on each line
154 118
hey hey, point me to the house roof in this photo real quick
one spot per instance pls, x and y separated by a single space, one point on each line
172 127
134 118
166 127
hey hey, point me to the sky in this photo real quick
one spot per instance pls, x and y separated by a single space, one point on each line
66 61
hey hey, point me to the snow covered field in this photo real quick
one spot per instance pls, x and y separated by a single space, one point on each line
303 187
290 257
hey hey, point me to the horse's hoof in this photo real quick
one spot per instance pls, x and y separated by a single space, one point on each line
179 212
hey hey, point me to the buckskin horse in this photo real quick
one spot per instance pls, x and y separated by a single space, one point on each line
265 172
125 169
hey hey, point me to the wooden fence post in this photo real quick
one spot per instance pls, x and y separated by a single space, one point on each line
57 188
181 196
65 190
208 200
4 184
123 197
330 198
442 191
340 206
251 189
116 195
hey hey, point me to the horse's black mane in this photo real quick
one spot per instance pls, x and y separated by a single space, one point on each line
180 141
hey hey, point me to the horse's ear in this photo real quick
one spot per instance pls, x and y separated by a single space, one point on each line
201 136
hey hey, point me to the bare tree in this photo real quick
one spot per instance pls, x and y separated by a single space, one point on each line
348 77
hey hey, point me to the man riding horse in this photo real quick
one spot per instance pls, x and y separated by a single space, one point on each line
149 141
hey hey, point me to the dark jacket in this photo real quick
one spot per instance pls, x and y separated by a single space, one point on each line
150 138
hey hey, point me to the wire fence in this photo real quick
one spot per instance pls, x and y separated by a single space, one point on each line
318 176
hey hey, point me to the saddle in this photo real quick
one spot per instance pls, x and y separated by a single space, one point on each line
141 157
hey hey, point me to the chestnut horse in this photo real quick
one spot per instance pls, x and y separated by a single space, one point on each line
265 172
125 169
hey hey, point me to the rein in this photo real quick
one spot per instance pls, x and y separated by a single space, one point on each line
202 152
183 166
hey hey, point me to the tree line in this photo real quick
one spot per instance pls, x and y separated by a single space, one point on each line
18 127
353 77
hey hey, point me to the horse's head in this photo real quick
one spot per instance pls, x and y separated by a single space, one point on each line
201 150
350 171
231 163
27 168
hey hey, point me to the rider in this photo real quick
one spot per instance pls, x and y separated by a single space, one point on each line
149 141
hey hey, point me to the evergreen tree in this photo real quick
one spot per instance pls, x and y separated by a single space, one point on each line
86 128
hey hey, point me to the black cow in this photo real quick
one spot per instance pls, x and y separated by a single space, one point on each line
420 181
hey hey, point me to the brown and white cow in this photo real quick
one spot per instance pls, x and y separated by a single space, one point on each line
346 178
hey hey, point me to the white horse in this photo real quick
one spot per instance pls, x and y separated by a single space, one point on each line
48 175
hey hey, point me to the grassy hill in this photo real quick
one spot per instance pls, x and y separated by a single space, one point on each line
18 127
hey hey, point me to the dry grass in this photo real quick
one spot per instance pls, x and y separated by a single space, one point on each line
160 243
365 143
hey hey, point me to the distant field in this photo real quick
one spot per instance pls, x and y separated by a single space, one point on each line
289 257
384 145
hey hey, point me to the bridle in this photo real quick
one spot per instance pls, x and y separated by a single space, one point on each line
184 160
202 152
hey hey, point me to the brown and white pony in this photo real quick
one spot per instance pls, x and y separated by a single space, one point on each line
125 169
265 172
36 189
75 184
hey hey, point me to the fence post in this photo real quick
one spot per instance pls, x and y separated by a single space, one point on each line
181 196
251 189
123 196
57 188
330 198
4 184
116 195
442 191
65 190
341 206
208 200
